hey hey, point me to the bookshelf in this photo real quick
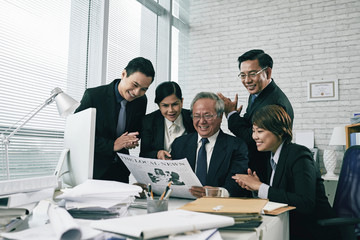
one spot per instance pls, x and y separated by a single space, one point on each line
351 129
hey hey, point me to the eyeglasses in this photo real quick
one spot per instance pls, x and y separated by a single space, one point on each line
251 75
207 117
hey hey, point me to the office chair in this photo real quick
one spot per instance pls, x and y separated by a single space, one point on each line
347 197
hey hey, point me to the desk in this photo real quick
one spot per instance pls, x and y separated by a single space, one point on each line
272 228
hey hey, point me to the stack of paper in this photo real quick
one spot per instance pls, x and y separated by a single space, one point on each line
15 207
10 218
245 211
99 199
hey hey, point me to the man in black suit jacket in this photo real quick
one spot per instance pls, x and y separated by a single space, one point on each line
255 74
135 80
225 154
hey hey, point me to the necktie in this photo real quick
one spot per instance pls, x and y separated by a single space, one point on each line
201 167
252 99
120 128
273 164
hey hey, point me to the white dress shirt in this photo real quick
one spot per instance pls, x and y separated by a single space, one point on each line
264 188
173 130
209 150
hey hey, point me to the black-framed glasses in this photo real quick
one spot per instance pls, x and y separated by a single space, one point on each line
251 75
207 117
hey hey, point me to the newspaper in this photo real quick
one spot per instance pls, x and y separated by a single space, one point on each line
160 172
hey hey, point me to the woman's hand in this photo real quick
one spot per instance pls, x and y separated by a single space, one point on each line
164 155
248 181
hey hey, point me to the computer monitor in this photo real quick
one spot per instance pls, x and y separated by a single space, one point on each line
76 163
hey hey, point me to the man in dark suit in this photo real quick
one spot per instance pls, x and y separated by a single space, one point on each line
116 131
255 74
225 154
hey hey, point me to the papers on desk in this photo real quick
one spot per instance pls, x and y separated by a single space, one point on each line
275 208
245 211
62 226
46 232
27 184
10 218
160 172
99 199
18 199
162 223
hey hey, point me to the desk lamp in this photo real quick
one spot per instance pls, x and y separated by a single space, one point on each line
65 105
337 138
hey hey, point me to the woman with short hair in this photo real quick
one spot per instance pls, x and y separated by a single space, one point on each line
292 175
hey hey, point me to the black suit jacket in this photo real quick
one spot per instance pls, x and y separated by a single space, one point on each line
242 126
107 164
297 182
153 132
229 157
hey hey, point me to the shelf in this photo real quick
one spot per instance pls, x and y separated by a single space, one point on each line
351 129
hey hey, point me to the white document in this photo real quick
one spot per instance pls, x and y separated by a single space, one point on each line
270 206
160 172
46 232
104 189
18 199
64 226
27 184
163 223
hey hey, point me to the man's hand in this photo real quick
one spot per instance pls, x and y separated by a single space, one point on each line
164 155
197 192
126 140
230 105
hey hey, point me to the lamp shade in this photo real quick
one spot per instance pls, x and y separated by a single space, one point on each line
65 104
338 136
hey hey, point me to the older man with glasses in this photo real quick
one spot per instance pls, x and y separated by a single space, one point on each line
213 155
255 74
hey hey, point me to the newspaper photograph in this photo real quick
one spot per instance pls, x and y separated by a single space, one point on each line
160 172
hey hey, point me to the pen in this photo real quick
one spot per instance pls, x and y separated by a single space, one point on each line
166 190
151 195
167 195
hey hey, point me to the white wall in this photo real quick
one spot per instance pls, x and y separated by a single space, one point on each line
308 40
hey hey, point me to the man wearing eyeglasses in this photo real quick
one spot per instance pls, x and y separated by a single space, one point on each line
255 74
213 155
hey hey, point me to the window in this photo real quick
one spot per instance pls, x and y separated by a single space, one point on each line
35 57
74 45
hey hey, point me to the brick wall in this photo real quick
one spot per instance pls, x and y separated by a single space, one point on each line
308 40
